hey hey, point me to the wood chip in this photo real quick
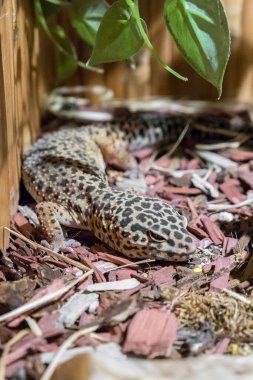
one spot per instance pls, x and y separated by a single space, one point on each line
181 190
228 245
222 281
221 346
247 177
164 276
40 300
212 229
232 191
75 307
151 333
239 155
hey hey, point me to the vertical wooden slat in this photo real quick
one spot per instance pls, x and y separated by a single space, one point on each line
245 57
23 81
8 178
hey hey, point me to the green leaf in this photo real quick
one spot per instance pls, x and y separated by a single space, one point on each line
201 33
64 45
57 35
53 33
67 63
118 36
85 17
143 31
42 10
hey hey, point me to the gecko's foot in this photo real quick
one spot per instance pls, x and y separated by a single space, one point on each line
68 245
65 246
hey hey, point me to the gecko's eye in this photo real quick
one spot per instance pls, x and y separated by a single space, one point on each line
155 237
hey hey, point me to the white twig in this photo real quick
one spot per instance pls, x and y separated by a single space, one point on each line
7 348
34 326
151 164
204 185
221 207
130 264
237 296
43 300
180 138
178 173
51 253
218 146
129 283
217 159
68 342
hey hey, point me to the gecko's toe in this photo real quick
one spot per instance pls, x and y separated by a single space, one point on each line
65 246
46 244
68 245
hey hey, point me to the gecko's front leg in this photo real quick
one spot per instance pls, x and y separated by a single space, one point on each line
51 216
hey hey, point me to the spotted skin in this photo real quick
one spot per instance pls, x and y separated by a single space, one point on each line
65 173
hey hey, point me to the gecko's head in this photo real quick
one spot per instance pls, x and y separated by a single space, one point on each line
150 228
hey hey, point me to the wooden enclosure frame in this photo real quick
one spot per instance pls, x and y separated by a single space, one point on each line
23 83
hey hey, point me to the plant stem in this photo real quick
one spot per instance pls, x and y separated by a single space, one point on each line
135 8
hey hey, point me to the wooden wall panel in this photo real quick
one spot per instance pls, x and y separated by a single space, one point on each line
23 83
151 79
